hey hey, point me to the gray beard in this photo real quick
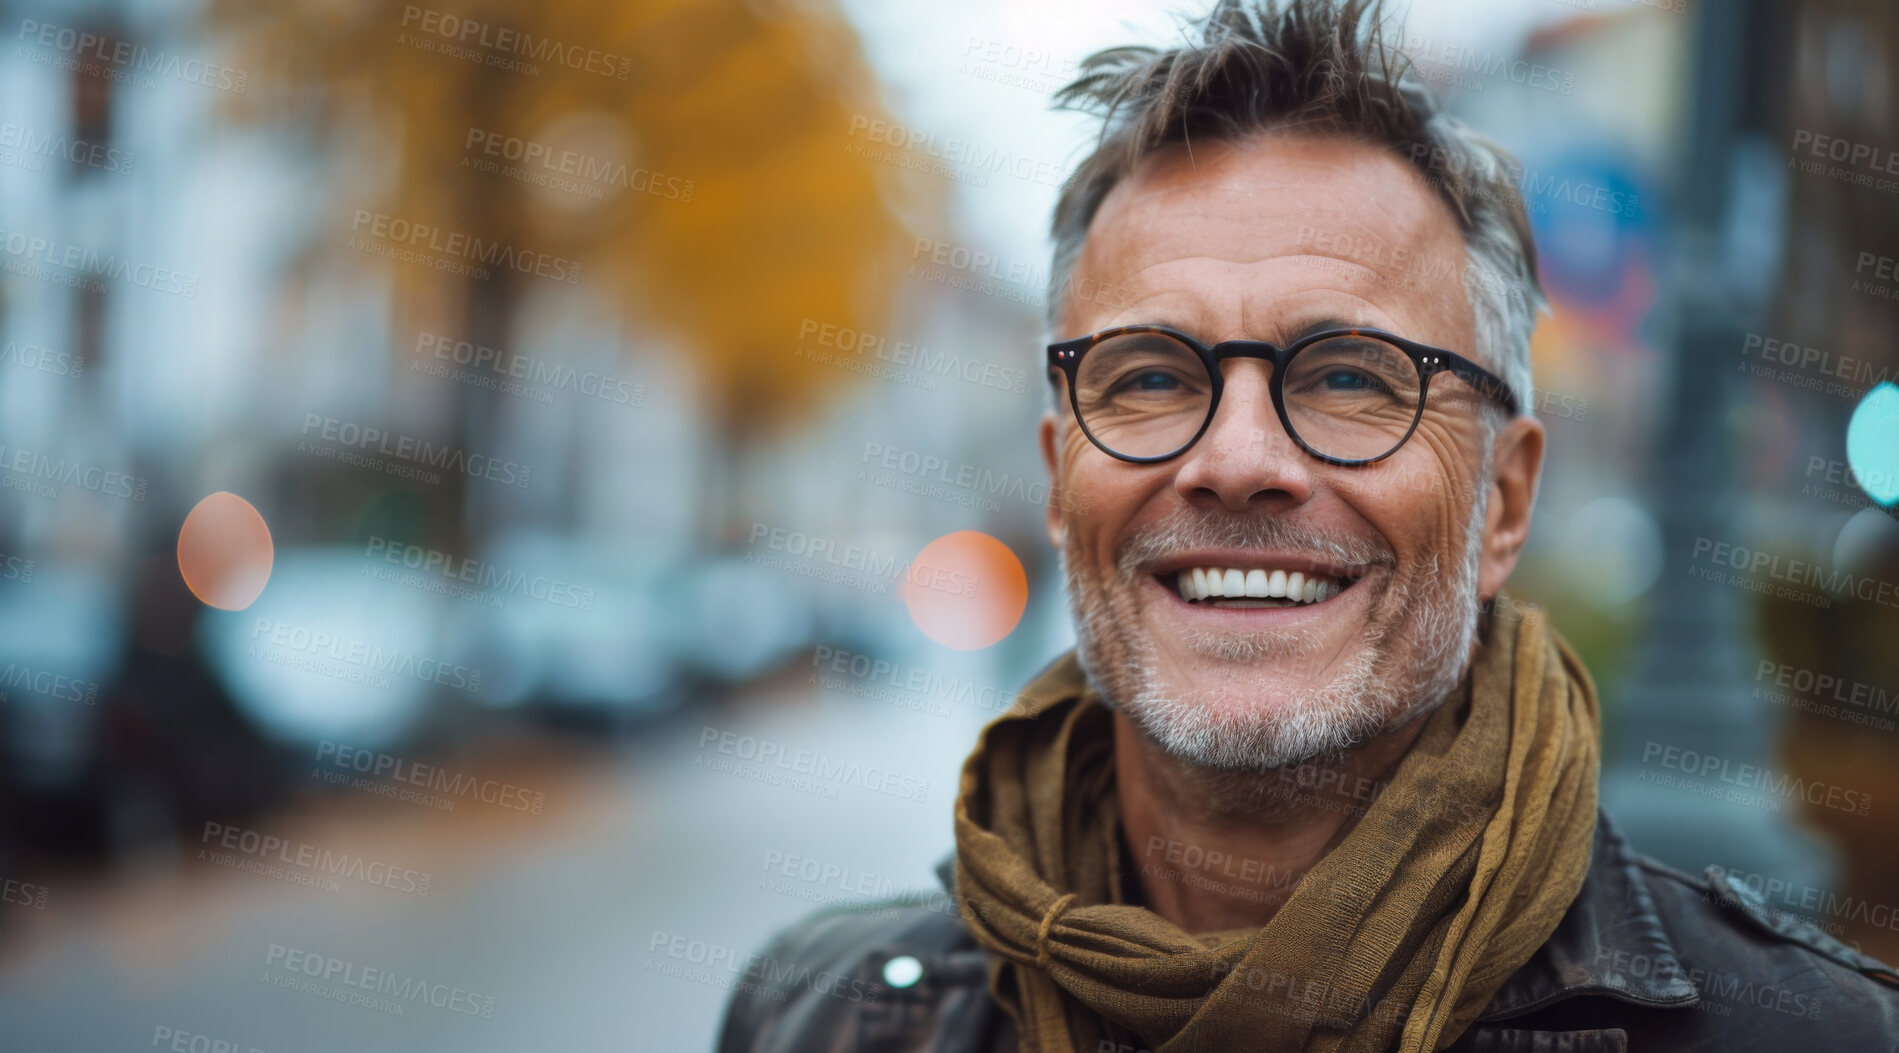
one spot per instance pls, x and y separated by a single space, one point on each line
1412 654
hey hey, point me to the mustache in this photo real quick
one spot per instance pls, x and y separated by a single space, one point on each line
1185 529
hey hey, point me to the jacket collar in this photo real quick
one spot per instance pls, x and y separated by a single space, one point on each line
1610 943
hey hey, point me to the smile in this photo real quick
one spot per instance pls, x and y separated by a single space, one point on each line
1241 587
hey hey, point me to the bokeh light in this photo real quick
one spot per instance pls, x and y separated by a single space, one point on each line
224 552
1872 443
966 590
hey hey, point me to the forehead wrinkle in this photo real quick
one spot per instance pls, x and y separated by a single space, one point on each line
1262 313
1359 238
1150 258
1198 307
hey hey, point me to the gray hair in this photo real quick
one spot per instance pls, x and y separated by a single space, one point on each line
1317 66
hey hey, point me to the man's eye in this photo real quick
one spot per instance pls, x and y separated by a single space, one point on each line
1351 380
1154 381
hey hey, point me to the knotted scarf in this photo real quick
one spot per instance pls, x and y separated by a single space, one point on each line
1396 939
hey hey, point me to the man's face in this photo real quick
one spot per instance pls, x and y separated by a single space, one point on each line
1270 239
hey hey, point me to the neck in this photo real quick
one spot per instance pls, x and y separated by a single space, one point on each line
1217 850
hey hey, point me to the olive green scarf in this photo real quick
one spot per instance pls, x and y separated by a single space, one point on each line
1396 939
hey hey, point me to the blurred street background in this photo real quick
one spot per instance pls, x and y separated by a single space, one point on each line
462 465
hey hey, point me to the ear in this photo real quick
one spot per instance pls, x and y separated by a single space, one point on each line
1057 526
1517 468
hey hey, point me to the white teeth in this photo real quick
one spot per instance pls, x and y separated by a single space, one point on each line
1200 583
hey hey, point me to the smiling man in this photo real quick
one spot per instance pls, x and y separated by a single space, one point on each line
1309 780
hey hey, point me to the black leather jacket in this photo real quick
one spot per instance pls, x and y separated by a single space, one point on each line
1647 958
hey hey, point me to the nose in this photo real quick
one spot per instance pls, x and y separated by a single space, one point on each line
1245 462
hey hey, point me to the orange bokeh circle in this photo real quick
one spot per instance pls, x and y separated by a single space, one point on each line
966 590
224 552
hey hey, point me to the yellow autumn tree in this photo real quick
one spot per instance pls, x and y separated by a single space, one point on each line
708 141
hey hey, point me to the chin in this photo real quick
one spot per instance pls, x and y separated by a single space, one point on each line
1268 723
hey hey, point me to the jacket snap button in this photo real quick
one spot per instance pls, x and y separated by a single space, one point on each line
902 971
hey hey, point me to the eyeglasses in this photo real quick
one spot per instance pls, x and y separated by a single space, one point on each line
1145 393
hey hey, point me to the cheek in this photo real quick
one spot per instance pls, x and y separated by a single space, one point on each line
1452 462
1090 496
1074 447
1421 501
1106 495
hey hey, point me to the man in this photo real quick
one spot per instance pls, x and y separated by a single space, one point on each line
1308 781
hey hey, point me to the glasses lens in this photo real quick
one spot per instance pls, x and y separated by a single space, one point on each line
1352 397
1142 394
